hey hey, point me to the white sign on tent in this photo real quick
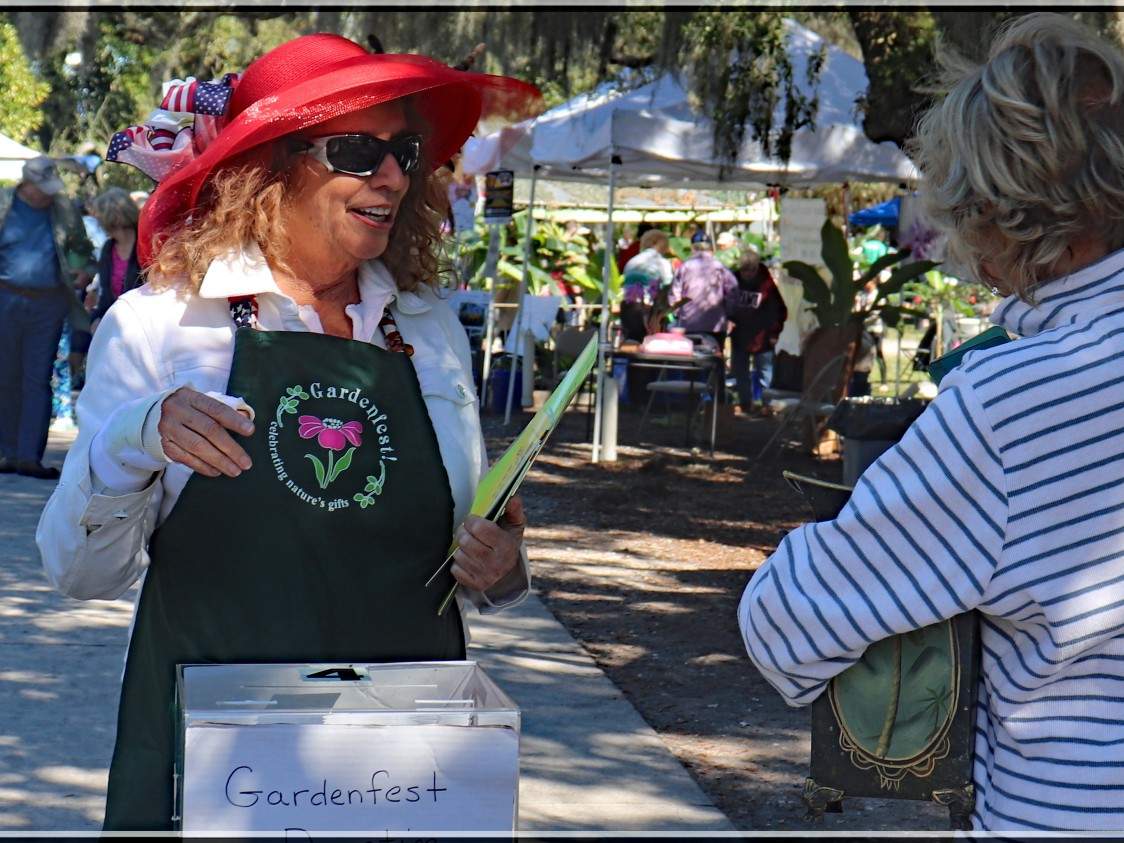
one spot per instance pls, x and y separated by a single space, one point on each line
800 222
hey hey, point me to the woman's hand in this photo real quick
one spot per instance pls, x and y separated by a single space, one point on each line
193 431
489 551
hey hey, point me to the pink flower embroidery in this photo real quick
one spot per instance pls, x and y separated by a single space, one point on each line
331 433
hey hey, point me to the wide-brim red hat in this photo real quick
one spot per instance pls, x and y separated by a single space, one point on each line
315 78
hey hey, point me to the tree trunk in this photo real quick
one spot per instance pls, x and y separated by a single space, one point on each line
897 50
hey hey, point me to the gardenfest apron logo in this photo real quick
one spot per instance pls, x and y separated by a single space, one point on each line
333 442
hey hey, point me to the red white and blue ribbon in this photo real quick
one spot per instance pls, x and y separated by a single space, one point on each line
190 117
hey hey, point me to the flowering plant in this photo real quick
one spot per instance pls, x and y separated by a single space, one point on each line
332 435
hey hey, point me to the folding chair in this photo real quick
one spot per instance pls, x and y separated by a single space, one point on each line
569 343
814 405
694 390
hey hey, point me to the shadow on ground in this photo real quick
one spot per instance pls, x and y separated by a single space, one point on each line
60 662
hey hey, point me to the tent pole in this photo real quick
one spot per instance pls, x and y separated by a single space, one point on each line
490 279
517 328
489 336
606 279
528 390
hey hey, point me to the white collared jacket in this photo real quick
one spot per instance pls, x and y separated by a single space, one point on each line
117 487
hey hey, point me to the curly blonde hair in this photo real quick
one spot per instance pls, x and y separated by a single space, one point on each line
245 203
1029 146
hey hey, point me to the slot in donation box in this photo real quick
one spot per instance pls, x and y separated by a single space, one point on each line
297 749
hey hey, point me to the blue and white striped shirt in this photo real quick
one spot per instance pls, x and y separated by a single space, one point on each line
1006 496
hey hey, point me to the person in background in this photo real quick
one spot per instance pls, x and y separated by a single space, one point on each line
1004 497
118 268
758 314
41 237
634 248
644 276
79 339
462 202
729 252
707 283
870 345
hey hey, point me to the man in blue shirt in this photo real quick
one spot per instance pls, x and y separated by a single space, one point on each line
41 234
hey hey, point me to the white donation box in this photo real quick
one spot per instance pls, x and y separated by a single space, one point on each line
297 749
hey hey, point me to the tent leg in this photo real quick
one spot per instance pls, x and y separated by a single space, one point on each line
490 278
606 279
489 336
517 328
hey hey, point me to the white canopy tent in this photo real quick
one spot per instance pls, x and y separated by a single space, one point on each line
660 138
651 135
12 158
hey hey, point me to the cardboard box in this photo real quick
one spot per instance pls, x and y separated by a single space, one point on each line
372 748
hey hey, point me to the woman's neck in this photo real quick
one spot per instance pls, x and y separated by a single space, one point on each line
329 293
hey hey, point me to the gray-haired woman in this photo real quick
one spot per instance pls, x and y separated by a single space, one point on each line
1006 495
118 268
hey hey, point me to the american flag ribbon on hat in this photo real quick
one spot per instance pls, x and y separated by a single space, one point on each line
195 97
149 151
190 116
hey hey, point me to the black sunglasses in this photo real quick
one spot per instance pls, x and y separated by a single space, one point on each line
362 155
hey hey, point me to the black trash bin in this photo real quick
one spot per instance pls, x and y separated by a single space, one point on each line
869 426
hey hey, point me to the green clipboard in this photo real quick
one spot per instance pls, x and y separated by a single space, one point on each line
503 479
993 336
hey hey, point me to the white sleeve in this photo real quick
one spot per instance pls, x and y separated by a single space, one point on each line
514 588
918 542
93 545
126 452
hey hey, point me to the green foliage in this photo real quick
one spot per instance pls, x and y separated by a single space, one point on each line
834 303
24 92
734 59
596 273
741 71
680 247
936 291
553 249
130 55
563 52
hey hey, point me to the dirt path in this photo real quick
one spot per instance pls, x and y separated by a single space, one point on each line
644 560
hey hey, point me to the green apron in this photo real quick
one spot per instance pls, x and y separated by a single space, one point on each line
320 552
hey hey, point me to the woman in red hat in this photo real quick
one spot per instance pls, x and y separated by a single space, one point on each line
279 431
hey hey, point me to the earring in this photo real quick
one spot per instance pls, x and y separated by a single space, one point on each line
994 290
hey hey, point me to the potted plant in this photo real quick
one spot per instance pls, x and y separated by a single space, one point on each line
834 304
